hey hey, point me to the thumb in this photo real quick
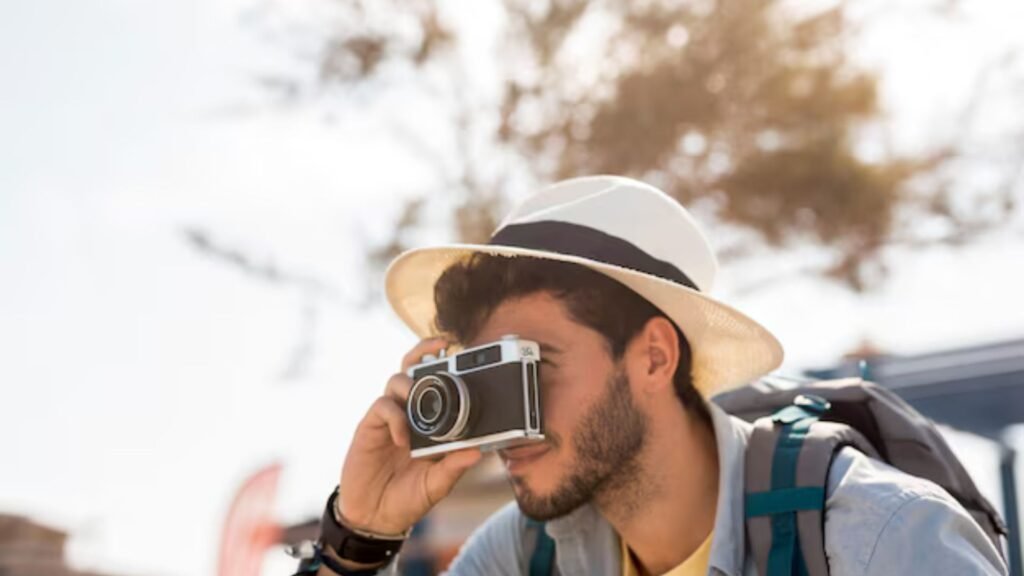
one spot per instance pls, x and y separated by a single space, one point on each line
443 474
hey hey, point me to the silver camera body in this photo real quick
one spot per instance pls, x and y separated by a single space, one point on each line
486 397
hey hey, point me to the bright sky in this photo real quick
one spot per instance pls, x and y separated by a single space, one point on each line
142 379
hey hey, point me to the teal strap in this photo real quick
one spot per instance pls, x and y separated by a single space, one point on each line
543 559
792 414
801 565
785 500
784 544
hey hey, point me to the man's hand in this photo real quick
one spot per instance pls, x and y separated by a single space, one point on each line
383 489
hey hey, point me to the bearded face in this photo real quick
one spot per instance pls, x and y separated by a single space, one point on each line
593 427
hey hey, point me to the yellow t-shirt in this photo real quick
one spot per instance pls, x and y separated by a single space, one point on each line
695 565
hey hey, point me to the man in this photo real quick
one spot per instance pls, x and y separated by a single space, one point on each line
639 474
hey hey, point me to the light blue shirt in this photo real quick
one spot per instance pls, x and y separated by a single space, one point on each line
878 521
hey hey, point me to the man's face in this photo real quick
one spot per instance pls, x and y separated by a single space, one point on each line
594 431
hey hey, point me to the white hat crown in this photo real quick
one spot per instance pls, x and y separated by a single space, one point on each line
631 211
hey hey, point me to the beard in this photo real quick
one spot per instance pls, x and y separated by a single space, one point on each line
608 443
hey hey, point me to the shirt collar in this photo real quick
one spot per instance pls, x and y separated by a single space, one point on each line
729 544
575 523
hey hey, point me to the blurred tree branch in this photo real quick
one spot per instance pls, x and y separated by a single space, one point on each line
313 292
748 109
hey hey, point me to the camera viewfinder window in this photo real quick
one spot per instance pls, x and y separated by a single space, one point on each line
478 358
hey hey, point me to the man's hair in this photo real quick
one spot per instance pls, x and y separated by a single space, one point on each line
469 291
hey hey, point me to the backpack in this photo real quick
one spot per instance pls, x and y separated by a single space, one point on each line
798 429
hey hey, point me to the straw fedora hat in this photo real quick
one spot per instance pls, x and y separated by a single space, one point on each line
630 232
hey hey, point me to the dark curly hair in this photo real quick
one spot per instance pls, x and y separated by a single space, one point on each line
469 291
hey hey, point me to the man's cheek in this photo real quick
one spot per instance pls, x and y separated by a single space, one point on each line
558 413
554 430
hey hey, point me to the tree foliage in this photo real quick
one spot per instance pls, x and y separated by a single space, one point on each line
751 110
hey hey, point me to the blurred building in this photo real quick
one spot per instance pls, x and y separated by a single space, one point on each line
977 389
31 549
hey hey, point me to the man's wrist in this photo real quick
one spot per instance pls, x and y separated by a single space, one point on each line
341 520
364 550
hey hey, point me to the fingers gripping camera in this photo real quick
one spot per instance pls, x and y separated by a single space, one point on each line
486 397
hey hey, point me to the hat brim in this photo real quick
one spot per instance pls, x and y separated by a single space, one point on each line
729 349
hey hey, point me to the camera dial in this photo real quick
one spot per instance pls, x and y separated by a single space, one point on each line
438 406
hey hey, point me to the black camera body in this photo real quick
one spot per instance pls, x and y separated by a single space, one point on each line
486 397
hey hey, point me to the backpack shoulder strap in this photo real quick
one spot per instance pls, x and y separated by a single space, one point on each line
542 559
787 463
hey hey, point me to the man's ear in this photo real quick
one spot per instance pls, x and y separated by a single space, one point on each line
654 354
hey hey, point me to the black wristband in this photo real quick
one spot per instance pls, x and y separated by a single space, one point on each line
350 545
340 570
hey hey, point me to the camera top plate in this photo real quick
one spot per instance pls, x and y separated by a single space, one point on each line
509 348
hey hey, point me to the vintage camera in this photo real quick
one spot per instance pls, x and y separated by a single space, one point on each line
486 397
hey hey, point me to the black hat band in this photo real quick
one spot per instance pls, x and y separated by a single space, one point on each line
585 242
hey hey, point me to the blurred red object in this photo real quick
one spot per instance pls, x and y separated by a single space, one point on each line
250 527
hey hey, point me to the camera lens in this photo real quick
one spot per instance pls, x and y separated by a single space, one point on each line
438 407
429 405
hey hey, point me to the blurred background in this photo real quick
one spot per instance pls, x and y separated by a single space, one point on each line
197 199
